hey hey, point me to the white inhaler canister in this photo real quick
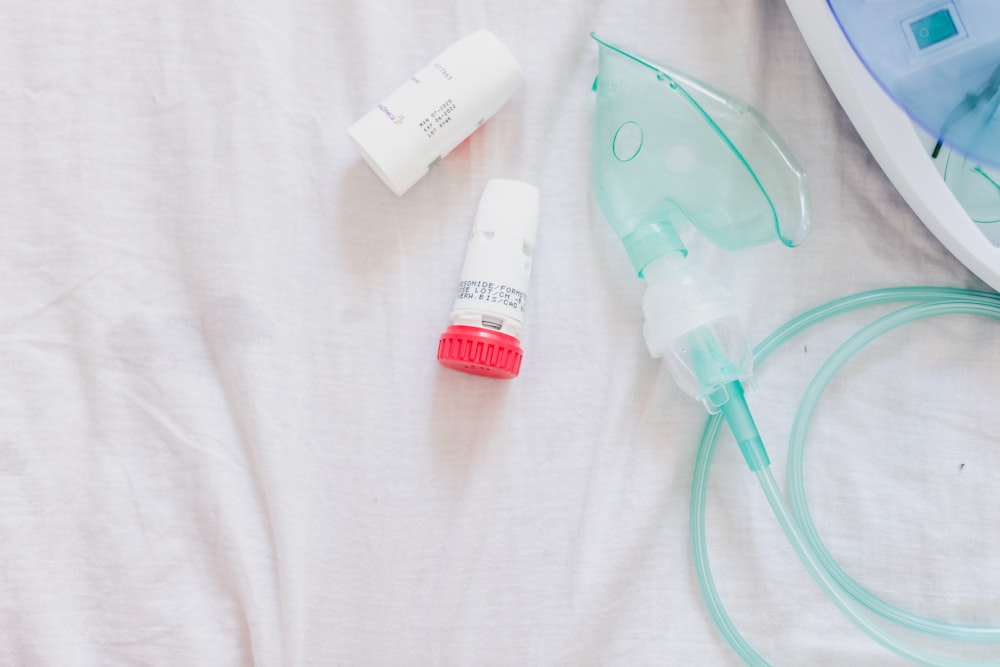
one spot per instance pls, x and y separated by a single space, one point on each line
436 109
488 314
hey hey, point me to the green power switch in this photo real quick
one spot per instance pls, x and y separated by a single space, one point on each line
934 28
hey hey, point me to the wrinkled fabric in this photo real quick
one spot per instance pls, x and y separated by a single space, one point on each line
224 437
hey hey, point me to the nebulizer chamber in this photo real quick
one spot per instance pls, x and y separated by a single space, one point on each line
669 151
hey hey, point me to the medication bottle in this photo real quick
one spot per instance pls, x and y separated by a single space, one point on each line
488 315
436 109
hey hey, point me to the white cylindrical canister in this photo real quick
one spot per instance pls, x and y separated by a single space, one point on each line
436 109
493 287
488 313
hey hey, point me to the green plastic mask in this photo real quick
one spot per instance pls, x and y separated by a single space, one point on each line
669 150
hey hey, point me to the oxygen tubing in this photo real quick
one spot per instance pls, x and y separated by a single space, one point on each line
856 602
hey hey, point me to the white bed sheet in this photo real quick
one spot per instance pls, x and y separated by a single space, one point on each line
225 438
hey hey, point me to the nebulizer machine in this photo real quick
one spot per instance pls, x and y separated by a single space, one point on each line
672 157
920 81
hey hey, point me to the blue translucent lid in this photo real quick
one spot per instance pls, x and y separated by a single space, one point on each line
939 60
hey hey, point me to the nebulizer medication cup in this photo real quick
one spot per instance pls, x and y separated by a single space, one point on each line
669 151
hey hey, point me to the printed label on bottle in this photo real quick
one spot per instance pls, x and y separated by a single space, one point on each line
477 293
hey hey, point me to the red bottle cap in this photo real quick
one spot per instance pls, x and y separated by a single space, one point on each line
480 352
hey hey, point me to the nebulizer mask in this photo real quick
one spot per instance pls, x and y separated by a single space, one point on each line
671 155
669 152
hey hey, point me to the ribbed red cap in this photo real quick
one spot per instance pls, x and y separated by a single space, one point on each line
480 352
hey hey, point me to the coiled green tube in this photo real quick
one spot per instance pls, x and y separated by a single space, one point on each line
857 603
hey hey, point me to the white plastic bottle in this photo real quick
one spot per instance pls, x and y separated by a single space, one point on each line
436 109
488 313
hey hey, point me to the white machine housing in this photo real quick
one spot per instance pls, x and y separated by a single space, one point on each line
901 149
